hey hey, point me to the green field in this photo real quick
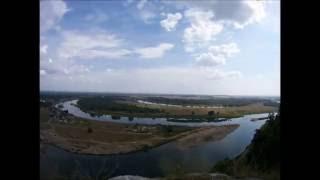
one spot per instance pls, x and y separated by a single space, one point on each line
120 106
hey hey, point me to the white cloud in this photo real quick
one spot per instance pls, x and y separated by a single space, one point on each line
42 72
43 49
141 4
258 11
51 12
217 55
154 52
202 28
76 69
147 11
208 59
109 54
147 16
272 20
226 50
237 13
96 17
91 45
66 71
151 80
171 21
218 74
109 70
50 60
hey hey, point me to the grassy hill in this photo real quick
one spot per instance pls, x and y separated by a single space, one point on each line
261 158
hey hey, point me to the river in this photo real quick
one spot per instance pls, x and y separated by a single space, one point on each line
156 162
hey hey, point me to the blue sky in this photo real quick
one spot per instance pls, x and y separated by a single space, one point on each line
180 47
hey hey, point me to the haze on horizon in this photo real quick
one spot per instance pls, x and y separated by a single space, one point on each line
161 47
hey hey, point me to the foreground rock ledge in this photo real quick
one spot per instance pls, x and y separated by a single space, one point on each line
212 176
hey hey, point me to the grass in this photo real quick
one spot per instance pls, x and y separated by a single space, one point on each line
44 118
44 114
184 112
106 137
226 112
121 106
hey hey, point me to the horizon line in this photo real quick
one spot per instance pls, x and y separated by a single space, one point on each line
155 93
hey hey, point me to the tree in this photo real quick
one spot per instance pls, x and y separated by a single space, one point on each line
211 113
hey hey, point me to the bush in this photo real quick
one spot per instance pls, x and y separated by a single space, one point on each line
90 130
222 166
211 113
166 129
145 147
111 104
265 147
115 117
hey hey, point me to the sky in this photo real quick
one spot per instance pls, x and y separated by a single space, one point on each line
172 47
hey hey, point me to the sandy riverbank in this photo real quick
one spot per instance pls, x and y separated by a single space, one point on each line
214 133
113 138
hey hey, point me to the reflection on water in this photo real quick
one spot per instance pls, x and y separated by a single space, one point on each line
156 162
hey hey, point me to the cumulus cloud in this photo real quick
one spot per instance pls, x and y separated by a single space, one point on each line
217 55
147 11
91 45
237 13
272 22
226 50
51 12
154 52
43 49
208 59
42 72
202 28
171 21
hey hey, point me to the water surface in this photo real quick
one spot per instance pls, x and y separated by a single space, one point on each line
156 162
76 111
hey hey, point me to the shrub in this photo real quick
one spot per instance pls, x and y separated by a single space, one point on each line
222 166
211 113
